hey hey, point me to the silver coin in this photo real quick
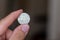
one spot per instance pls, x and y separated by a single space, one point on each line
24 18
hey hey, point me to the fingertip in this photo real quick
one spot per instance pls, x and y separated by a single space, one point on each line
20 10
25 28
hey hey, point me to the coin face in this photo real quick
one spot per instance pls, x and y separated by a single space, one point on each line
24 18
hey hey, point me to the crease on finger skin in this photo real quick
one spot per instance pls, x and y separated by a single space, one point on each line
8 34
2 37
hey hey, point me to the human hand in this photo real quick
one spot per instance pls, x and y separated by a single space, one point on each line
18 34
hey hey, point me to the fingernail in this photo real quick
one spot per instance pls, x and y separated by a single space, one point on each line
25 28
21 9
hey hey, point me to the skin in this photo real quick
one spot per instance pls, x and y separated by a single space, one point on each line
7 34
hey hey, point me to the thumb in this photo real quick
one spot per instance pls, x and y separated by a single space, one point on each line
20 32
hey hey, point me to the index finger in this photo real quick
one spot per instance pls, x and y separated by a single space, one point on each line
8 20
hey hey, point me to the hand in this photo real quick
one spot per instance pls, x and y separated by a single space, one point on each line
18 34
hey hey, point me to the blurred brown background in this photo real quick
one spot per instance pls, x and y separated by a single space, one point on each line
37 9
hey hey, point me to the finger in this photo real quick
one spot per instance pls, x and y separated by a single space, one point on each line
8 34
2 37
20 32
8 20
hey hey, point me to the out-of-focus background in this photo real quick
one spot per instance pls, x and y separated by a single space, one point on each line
45 17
